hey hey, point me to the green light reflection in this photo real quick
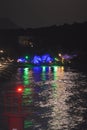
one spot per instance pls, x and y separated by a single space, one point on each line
27 96
43 73
28 124
55 73
26 76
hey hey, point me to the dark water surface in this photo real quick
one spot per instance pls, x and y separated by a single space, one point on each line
55 97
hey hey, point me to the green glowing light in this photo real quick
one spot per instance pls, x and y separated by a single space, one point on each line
56 59
27 57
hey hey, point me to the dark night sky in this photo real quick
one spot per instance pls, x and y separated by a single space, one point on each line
38 13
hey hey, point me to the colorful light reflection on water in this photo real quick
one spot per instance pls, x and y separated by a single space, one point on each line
52 95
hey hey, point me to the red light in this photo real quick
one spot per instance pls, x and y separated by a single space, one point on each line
20 89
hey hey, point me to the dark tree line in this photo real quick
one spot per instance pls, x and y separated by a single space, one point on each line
65 38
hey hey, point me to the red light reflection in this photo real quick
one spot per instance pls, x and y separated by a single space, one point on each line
19 89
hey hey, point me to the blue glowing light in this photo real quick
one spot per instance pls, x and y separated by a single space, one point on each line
36 60
21 60
46 58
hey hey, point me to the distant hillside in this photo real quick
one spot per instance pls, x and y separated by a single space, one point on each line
6 23
68 37
65 38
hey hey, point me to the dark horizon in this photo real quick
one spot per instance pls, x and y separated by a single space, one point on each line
6 23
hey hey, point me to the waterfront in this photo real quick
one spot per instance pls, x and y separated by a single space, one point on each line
56 96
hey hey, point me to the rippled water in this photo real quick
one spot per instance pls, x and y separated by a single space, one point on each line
55 97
